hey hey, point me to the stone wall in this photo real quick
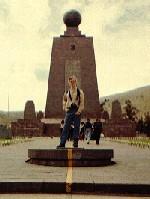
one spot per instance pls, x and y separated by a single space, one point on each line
119 128
27 128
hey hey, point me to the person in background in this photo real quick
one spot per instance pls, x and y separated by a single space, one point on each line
88 130
97 128
82 131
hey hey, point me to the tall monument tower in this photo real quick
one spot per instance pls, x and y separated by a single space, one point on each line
72 54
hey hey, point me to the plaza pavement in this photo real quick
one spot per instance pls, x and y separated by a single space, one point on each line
132 167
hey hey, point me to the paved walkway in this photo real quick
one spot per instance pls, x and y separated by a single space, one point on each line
132 164
13 166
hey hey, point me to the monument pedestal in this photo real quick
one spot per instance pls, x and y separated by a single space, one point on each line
75 157
119 128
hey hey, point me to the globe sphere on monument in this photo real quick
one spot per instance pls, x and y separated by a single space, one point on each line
72 18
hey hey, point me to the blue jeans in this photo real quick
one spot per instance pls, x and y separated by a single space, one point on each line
88 132
70 118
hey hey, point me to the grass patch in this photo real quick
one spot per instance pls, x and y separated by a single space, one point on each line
14 140
142 142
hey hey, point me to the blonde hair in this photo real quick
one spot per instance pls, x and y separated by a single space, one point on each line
72 77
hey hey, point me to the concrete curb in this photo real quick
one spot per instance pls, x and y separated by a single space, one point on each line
60 187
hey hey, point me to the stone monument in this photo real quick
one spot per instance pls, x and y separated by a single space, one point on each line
30 125
40 115
116 113
72 54
29 111
116 126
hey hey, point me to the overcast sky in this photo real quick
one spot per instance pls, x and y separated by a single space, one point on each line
121 32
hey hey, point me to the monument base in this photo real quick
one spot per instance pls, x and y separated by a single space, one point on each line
51 126
119 128
74 157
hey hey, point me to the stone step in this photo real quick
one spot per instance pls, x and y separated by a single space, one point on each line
75 188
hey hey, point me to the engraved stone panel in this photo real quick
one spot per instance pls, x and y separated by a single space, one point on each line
72 67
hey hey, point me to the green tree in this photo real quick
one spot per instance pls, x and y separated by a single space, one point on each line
131 111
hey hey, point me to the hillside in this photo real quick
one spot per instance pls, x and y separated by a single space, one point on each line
139 97
13 116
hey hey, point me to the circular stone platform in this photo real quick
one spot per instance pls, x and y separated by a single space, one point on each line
78 157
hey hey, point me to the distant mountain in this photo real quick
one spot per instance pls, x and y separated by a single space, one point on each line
139 97
13 116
